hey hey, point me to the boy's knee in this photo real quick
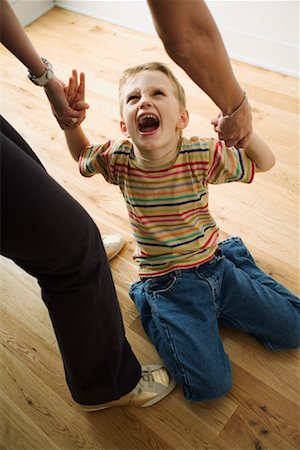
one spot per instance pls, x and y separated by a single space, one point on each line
219 389
291 342
210 388
289 336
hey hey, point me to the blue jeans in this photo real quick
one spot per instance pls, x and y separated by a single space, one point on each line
180 313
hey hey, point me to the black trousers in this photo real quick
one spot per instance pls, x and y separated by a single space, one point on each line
47 233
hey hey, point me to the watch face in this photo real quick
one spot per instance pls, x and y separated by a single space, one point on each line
43 79
49 74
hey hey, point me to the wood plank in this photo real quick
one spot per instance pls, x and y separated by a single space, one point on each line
265 410
241 434
18 431
277 370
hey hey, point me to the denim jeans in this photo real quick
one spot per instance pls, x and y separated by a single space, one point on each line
180 313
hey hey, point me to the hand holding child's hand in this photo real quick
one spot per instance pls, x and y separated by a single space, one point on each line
236 130
62 111
75 95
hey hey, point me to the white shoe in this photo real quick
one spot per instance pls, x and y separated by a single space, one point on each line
113 244
154 385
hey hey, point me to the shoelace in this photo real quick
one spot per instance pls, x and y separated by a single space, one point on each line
147 375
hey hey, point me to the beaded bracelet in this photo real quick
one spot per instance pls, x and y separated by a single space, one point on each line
236 110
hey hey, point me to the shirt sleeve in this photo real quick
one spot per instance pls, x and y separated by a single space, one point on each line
227 164
94 159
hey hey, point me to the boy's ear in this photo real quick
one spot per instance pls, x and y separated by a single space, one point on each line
184 119
124 128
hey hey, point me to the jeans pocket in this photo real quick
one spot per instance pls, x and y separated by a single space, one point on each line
295 301
161 284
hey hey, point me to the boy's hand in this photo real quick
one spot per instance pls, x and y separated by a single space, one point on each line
236 130
62 111
75 96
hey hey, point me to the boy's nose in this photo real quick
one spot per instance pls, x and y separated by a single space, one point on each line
145 101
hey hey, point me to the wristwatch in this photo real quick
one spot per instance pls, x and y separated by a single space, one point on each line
45 77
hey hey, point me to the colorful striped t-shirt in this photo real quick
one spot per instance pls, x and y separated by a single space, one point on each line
168 204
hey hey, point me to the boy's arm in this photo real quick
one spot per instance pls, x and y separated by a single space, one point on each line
76 140
75 95
258 151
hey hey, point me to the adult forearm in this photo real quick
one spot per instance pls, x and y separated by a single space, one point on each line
192 40
17 42
14 38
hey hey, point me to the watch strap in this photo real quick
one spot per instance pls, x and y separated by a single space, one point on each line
45 77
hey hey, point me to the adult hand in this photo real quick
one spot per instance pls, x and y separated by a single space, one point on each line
63 112
236 130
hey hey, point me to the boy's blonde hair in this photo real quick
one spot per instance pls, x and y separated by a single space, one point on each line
155 66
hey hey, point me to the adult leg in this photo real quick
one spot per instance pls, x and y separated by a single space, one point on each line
113 243
13 135
255 303
177 313
47 233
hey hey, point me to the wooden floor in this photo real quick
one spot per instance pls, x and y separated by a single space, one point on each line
262 409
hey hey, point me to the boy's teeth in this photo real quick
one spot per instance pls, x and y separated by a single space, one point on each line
148 122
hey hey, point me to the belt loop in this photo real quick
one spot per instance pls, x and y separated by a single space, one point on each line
178 273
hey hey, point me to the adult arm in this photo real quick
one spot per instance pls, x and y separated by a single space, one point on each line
192 39
14 38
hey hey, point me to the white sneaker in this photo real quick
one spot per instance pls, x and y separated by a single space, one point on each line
113 244
155 384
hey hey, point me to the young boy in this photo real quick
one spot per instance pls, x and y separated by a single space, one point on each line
189 281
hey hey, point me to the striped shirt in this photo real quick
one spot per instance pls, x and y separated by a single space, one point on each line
168 204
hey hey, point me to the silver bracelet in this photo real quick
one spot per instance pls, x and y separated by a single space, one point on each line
236 110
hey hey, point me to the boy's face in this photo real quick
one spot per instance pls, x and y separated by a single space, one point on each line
151 113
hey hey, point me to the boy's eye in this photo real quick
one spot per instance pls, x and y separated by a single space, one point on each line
158 92
132 97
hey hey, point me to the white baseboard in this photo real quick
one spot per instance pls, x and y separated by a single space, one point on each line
132 14
261 51
28 11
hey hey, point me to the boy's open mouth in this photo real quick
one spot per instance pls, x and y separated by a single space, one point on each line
148 123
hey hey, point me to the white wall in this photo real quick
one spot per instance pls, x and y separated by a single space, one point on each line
28 11
263 33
